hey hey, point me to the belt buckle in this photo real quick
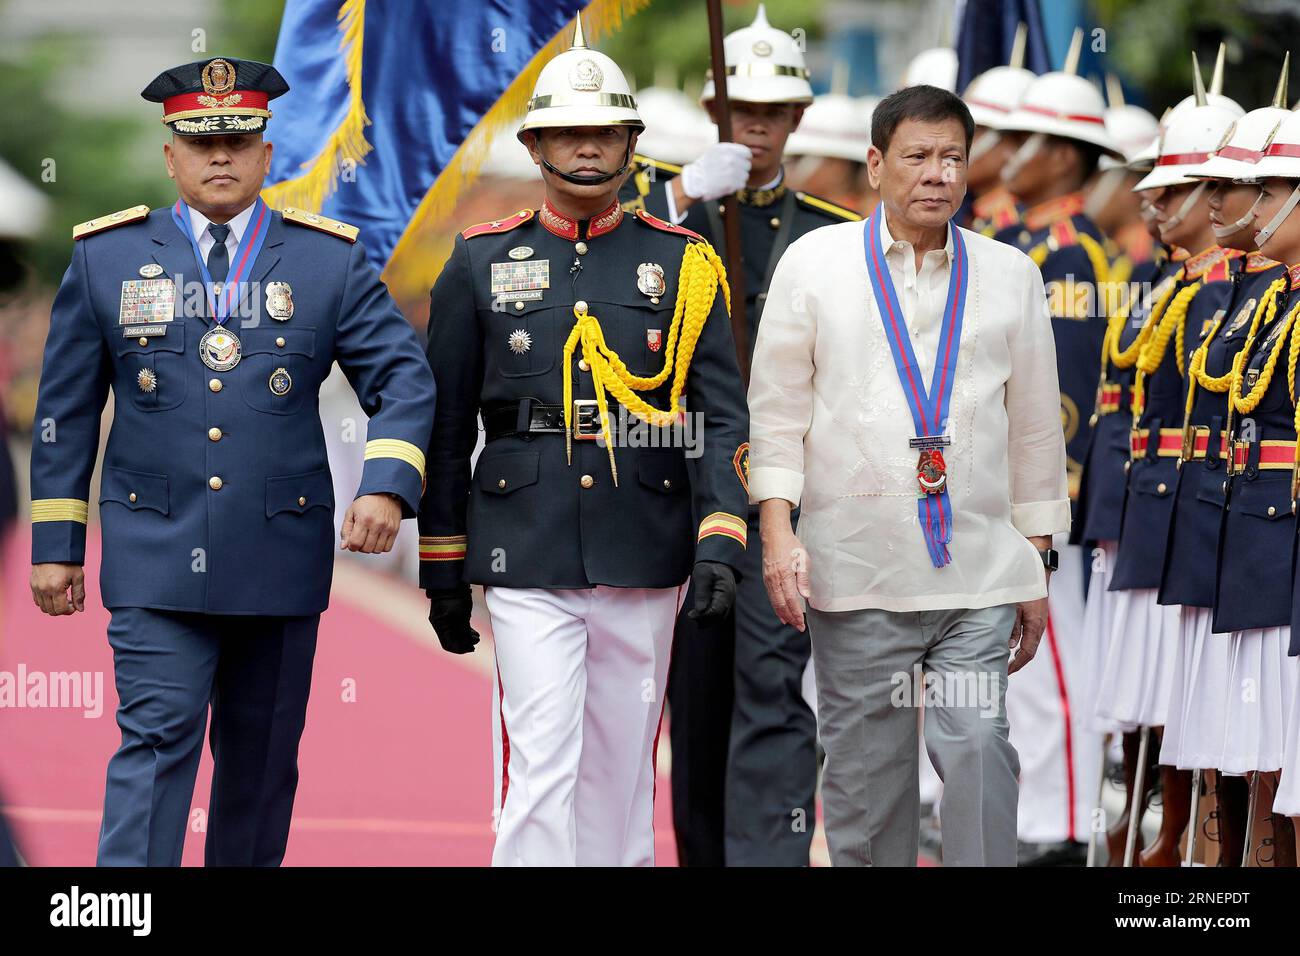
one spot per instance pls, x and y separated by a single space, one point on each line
1189 442
586 419
1234 445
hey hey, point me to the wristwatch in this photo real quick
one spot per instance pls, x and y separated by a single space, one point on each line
1050 558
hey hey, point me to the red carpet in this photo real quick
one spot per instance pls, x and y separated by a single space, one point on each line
402 776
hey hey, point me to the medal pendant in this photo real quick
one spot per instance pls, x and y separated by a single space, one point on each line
219 349
931 472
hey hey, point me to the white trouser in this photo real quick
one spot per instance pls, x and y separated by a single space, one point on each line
580 693
1049 729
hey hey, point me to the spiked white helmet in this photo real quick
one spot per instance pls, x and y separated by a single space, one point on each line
764 65
836 126
936 66
1063 104
994 95
1238 156
581 87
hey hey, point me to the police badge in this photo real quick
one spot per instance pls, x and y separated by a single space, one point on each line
279 301
280 382
650 279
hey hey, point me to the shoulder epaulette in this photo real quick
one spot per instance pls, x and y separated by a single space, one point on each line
1258 262
665 226
848 215
639 160
314 220
99 224
498 225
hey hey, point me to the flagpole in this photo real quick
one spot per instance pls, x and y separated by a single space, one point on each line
730 215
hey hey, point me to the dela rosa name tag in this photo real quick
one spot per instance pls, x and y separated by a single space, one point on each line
147 301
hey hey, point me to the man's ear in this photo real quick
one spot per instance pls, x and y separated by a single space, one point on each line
269 149
797 117
875 160
168 159
529 140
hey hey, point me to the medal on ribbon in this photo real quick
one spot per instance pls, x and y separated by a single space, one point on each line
220 349
929 406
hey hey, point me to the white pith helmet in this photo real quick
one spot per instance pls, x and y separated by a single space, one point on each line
764 65
581 87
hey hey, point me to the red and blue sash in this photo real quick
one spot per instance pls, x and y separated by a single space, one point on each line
240 266
929 407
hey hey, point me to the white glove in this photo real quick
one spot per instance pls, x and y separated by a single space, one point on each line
722 170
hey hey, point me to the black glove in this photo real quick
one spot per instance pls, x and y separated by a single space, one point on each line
715 592
449 611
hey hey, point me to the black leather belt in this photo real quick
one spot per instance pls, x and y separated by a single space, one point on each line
530 417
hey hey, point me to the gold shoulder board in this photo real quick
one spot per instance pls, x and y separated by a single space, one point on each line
314 220
100 223
838 211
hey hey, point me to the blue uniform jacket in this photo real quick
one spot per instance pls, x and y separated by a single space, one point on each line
216 493
1188 574
1101 486
1253 582
1153 474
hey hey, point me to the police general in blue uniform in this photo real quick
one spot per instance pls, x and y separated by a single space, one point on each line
214 322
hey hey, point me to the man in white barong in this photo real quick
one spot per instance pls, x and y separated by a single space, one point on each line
904 394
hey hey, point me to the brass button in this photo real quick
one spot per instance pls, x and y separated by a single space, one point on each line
580 248
280 342
214 384
668 483
215 482
580 305
214 434
501 482
301 501
774 222
519 306
131 497
582 364
1162 487
587 481
654 299
1271 511
144 340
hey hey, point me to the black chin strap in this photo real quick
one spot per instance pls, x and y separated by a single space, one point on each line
588 180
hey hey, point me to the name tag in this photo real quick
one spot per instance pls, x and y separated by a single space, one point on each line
147 301
132 331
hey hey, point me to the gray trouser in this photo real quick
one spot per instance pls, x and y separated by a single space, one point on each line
874 669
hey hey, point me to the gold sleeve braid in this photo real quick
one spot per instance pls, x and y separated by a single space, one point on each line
702 272
1153 351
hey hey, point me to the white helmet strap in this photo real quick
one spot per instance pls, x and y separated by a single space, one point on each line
1103 190
1027 151
1192 199
1223 232
1266 233
983 145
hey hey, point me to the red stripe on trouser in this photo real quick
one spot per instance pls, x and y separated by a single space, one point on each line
1065 713
505 747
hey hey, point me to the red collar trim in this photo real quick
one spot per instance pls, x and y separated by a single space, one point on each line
561 225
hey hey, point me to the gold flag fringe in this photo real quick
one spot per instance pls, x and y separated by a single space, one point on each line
420 253
347 144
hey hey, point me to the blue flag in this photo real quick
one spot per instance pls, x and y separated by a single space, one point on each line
987 32
392 106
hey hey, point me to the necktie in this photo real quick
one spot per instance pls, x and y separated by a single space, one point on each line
218 255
